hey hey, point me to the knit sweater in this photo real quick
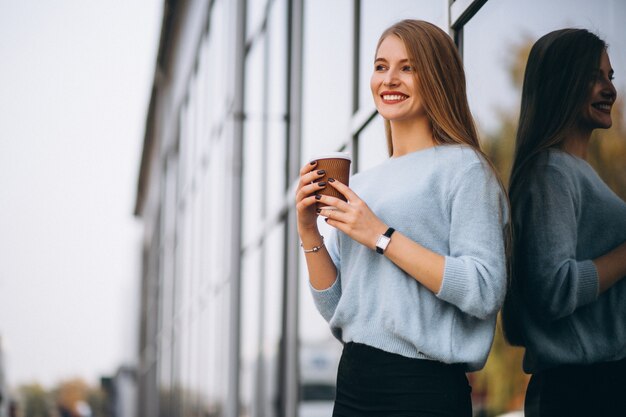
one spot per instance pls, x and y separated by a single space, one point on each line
447 199
566 217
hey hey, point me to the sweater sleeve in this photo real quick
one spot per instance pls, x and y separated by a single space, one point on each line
474 278
326 300
555 283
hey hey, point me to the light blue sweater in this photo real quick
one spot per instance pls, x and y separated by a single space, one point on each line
447 199
567 217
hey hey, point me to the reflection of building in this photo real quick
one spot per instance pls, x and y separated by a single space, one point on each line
4 386
121 392
318 370
244 92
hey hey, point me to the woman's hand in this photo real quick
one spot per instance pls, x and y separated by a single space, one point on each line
322 270
355 218
305 198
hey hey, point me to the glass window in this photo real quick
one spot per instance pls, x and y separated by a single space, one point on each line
276 108
218 50
272 314
496 45
253 144
216 314
255 11
167 281
327 76
251 286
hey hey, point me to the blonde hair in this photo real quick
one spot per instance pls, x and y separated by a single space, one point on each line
440 79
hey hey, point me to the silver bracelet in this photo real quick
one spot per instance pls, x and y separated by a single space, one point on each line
314 248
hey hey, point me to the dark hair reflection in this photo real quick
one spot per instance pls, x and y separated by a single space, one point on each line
565 305
560 68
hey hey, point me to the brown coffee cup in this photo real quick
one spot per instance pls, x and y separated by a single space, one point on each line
337 166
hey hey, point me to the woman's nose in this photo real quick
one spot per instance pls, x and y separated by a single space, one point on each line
390 79
608 90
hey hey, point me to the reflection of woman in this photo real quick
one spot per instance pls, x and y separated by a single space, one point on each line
568 303
416 311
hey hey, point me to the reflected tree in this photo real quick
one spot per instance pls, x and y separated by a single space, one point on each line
34 401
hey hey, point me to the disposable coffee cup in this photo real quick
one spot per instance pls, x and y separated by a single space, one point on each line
337 166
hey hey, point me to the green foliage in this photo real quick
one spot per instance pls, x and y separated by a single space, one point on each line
34 401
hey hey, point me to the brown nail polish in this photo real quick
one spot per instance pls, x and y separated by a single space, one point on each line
331 180
321 172
313 162
318 210
317 196
322 184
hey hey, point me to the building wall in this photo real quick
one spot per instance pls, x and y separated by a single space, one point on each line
245 93
5 398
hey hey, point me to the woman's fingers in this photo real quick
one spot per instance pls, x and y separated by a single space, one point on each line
307 189
308 168
308 177
335 202
309 181
343 189
308 173
333 214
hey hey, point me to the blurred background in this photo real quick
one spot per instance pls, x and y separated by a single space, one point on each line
149 264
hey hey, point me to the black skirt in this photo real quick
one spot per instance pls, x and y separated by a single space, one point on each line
596 390
372 382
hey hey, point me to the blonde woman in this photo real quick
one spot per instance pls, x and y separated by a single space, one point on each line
414 273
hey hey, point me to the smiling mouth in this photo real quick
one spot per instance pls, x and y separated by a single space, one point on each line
394 97
604 107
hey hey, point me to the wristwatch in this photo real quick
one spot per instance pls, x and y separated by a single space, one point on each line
383 240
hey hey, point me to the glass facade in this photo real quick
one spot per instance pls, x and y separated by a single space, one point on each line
245 93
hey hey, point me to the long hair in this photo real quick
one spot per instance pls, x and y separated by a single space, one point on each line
557 81
440 79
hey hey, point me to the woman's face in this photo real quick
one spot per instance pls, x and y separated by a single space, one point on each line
596 113
394 83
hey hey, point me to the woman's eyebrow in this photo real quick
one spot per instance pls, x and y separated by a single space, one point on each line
384 60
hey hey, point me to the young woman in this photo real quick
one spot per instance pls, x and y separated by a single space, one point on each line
568 300
414 273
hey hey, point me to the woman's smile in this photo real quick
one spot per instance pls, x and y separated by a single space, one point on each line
393 97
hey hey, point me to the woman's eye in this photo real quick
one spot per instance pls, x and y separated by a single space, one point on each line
407 68
379 67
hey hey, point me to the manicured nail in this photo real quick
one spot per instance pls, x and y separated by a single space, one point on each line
321 172
331 180
318 210
326 220
318 196
313 162
322 184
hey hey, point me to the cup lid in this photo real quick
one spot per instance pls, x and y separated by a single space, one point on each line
333 155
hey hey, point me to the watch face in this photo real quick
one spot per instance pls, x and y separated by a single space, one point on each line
381 243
